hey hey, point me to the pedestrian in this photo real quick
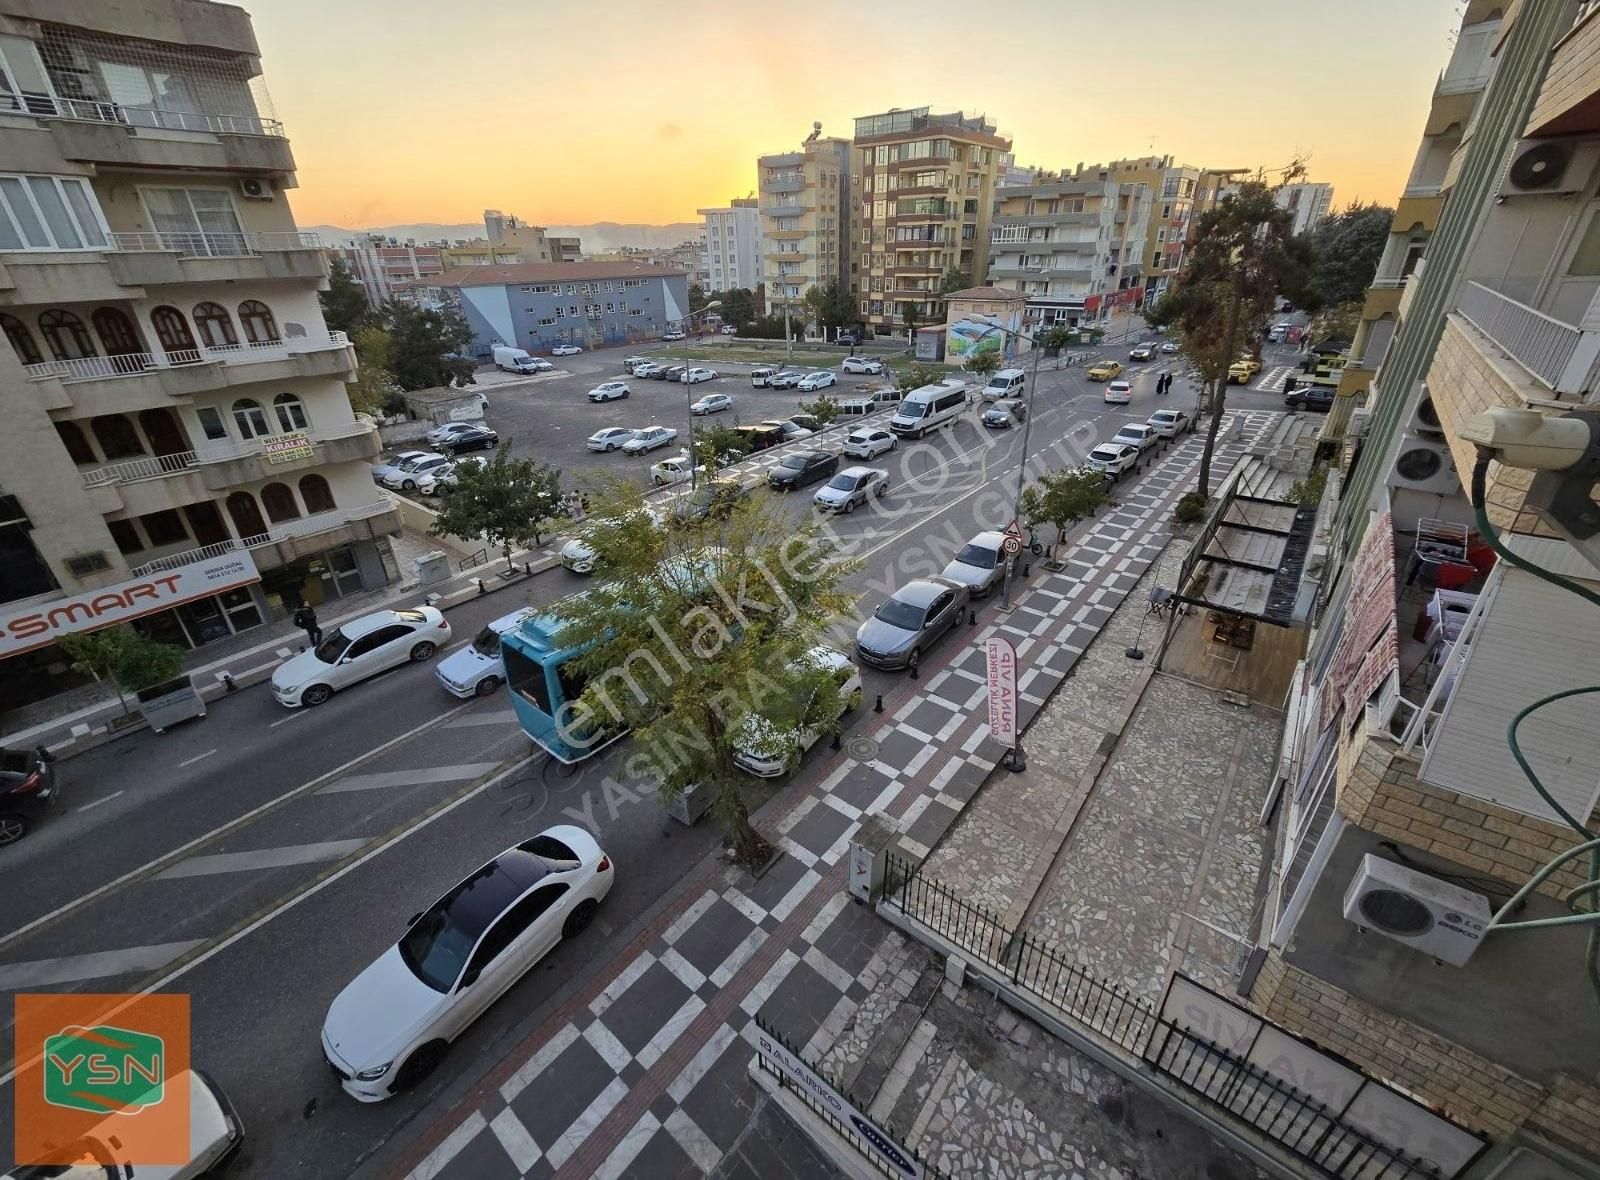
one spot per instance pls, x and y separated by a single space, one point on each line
306 619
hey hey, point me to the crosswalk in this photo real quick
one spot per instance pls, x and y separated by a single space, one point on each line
1274 379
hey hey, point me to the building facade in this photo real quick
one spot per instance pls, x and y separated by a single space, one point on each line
381 264
1072 244
732 245
1308 202
805 236
180 451
1177 193
923 192
539 305
477 252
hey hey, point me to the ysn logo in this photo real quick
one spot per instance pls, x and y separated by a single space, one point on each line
104 1069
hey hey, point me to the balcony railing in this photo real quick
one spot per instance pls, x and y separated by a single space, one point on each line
99 368
1560 356
209 451
104 111
145 467
211 245
284 531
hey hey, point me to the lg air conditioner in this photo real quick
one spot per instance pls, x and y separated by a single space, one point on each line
1548 167
256 188
1425 465
1441 920
1425 419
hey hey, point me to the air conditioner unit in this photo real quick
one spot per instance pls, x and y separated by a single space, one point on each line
1441 920
1360 422
1425 419
1546 167
256 188
1425 465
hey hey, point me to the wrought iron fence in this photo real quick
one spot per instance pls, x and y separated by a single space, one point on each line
472 559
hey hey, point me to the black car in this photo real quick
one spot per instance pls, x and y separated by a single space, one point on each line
847 338
27 790
715 499
479 438
802 467
759 438
1309 397
670 373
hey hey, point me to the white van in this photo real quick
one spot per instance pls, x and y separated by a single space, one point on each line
514 360
762 375
932 407
1005 383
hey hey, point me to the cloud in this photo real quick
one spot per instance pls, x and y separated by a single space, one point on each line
669 130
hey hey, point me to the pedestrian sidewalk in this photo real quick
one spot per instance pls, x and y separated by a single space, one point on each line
644 1072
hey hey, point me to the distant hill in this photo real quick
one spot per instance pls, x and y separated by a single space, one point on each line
601 236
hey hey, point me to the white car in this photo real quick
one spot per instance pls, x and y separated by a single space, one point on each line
357 649
852 486
712 403
1118 393
609 391
767 748
790 429
1170 347
821 379
672 471
646 440
565 350
215 1134
436 481
443 434
1112 458
382 471
475 670
729 330
1168 423
981 564
578 555
673 335
610 438
1139 435
869 442
390 1026
862 364
695 376
405 475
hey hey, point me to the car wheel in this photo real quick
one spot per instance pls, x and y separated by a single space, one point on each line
914 659
625 393
578 920
883 489
422 651
317 694
488 686
409 485
12 828
850 504
419 1065
610 447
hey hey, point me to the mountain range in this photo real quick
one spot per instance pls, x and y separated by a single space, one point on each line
597 238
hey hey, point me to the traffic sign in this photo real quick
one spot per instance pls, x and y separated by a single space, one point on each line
1013 540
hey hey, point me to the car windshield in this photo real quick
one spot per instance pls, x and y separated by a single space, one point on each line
332 646
913 410
795 462
1105 454
436 949
977 555
486 643
900 614
844 482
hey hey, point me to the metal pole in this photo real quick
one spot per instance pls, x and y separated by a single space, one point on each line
688 399
1022 464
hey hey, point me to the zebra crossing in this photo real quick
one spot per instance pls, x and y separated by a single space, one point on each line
1274 379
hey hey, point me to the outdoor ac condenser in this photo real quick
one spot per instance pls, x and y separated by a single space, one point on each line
1441 920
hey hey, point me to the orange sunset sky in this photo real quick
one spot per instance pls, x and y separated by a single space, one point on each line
628 110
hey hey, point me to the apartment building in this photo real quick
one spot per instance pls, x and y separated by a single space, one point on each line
732 255
532 242
804 201
1308 202
477 252
1073 244
1177 193
1406 819
381 264
923 194
179 451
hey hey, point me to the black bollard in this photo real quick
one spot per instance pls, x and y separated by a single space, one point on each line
1027 568
914 675
837 744
972 618
227 682
878 708
482 589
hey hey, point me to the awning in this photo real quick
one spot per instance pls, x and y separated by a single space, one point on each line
1248 557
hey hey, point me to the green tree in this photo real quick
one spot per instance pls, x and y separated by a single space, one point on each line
738 307
126 659
344 303
699 636
374 387
697 297
508 501
1055 339
910 317
830 304
1347 247
767 327
1241 256
983 363
954 279
824 409
1063 498
427 346
1338 321
717 445
922 374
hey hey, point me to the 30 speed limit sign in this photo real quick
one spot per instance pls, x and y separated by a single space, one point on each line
1013 540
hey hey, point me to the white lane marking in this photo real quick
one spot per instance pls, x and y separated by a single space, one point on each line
98 965
259 858
495 717
295 716
415 777
97 802
454 1143
177 853
196 758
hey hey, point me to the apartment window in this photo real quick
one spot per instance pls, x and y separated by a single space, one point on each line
572 312
571 289
635 311
211 424
610 307
206 215
49 213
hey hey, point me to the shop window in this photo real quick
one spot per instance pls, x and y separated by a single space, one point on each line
250 418
314 490
125 536
165 527
240 607
279 503
291 412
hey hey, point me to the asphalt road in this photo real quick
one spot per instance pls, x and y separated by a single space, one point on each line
259 859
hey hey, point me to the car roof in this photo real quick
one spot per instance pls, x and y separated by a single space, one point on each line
1166 414
1112 448
1136 427
366 624
920 592
989 539
858 470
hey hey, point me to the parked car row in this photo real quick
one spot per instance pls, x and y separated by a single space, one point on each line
1122 452
647 369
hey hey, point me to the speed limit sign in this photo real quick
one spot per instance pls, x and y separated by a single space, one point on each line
1013 540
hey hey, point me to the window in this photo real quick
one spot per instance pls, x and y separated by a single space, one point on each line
314 490
66 335
291 412
49 213
215 325
195 220
77 446
250 418
125 536
211 424
172 330
526 678
22 342
259 325
116 332
278 500
165 527
546 321
1586 256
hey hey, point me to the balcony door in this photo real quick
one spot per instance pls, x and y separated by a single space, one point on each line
172 330
246 515
195 220
161 427
119 338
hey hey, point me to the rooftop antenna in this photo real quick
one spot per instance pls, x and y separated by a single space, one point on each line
816 130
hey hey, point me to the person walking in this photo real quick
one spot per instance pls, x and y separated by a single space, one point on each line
306 619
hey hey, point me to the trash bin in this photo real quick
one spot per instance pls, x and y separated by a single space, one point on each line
432 568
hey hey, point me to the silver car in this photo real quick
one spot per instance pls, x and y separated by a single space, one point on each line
852 486
907 623
981 564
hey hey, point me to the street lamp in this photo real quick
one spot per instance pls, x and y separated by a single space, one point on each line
688 389
1027 428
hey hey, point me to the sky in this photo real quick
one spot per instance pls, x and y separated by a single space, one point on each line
640 111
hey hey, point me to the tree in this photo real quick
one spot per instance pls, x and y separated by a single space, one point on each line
698 638
1055 339
830 304
427 346
1336 322
1063 498
506 500
129 660
910 317
344 303
1347 247
919 375
983 362
767 327
955 279
825 409
716 446
1240 257
738 307
373 389
697 297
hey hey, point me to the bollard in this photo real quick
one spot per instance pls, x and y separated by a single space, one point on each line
837 744
878 708
527 568
972 617
227 682
482 589
914 675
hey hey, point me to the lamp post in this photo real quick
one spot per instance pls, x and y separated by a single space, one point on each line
1027 428
688 389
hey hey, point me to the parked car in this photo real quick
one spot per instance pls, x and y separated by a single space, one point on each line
862 364
695 376
389 1027
713 498
215 1134
1104 370
579 556
1138 435
712 403
1169 347
1168 423
565 350
609 391
789 428
767 747
383 470
438 434
481 439
1007 412
672 470
610 438
1118 393
802 468
787 379
761 375
1111 458
436 481
674 335
1142 352
869 442
357 649
759 438
632 362
804 422
475 670
1309 397
513 360
1242 370
649 438
981 564
908 622
812 382
405 474
27 791
847 338
673 373
729 330
647 369
852 486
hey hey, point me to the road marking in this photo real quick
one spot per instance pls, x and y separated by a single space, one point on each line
97 802
295 716
415 777
259 858
192 761
97 965
495 717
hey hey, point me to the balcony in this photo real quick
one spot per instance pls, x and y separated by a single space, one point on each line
785 211
105 132
782 160
291 536
1560 356
1569 98
152 259
219 465
787 184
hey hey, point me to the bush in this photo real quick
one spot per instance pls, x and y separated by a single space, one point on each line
1191 508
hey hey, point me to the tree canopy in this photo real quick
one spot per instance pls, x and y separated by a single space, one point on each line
374 390
344 303
954 279
427 346
130 660
1347 247
506 500
983 363
1062 498
738 306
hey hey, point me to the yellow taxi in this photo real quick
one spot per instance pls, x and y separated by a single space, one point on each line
1104 370
1243 369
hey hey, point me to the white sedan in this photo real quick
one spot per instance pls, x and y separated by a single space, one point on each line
695 376
869 442
673 335
648 439
1139 435
389 1028
610 438
565 350
405 475
443 434
357 649
767 747
436 481
609 391
672 471
712 403
862 364
821 379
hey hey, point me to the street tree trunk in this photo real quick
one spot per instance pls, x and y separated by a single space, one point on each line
1219 391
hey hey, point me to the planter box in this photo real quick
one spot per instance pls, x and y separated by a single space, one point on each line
167 704
692 803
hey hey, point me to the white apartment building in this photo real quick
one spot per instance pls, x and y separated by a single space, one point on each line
732 256
1309 203
805 240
